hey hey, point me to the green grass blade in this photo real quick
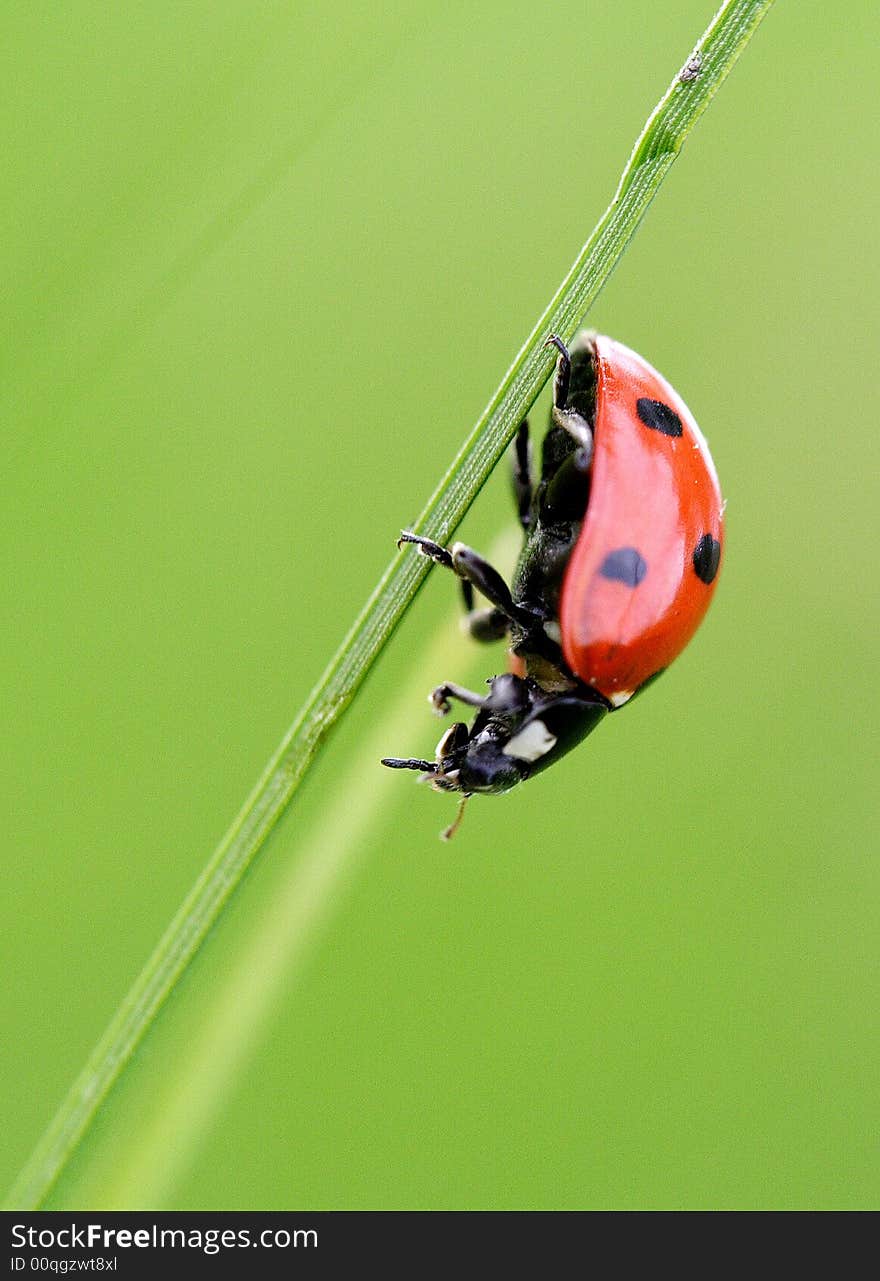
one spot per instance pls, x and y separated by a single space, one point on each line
656 149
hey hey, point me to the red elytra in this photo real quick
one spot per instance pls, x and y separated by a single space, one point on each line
644 567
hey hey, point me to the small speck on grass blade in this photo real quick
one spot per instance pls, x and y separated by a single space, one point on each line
692 88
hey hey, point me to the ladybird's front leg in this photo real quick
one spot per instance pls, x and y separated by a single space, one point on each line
439 697
508 695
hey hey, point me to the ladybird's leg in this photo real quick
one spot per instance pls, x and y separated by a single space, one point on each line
563 415
486 625
522 474
470 566
481 624
508 694
427 547
439 697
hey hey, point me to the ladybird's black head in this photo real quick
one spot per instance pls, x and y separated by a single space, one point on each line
473 759
477 762
480 765
519 731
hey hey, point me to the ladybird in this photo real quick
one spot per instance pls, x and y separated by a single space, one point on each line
623 533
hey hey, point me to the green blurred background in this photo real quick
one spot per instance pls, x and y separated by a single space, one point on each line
264 265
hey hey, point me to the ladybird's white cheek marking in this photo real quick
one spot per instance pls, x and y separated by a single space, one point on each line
622 696
553 630
531 743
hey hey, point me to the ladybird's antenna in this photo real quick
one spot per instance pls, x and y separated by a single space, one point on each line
448 832
397 762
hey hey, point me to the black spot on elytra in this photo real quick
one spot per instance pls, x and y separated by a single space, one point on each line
707 555
624 566
658 417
